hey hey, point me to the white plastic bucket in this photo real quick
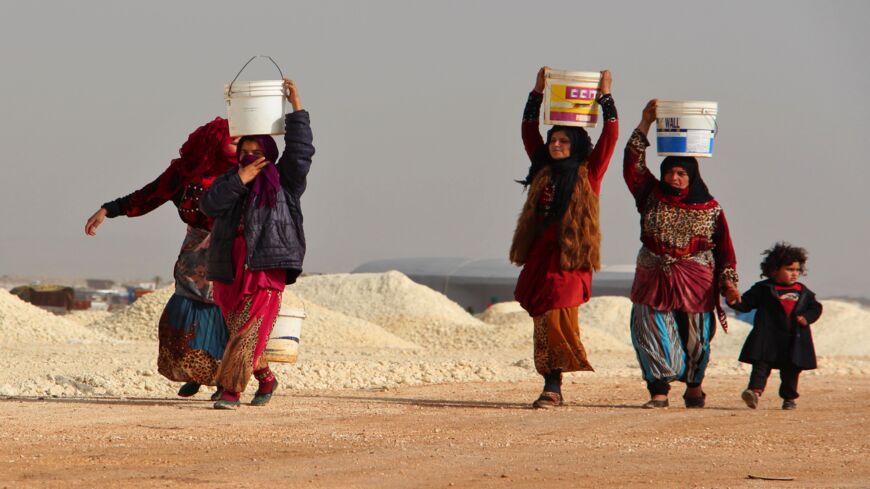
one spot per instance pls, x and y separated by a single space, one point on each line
283 345
255 107
569 98
686 128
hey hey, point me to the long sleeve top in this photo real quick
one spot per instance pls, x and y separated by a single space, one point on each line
167 186
687 253
543 284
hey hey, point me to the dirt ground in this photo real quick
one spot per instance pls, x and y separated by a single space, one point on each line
454 435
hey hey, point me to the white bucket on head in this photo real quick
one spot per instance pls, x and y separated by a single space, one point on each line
686 128
255 107
569 98
283 345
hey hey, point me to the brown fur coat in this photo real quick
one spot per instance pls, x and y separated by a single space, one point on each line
579 231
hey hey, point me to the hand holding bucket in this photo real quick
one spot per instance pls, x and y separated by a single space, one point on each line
256 107
570 96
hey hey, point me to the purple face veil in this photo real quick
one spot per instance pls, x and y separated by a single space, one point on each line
267 184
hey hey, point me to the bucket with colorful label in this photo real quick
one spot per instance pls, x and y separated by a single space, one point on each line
283 345
570 98
255 107
686 128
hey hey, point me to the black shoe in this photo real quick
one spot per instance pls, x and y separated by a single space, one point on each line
695 402
789 404
217 393
655 404
189 389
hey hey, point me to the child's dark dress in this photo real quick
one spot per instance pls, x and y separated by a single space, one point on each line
777 341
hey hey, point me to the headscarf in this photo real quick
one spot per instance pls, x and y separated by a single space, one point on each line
696 192
564 171
265 187
204 154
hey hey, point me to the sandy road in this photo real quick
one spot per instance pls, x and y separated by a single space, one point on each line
457 435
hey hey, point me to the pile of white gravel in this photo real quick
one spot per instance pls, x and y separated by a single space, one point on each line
409 310
363 331
25 323
138 321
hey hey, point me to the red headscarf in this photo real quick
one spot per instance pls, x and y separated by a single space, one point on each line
205 153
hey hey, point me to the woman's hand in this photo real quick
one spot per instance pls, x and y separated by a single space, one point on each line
649 116
94 221
605 83
292 94
802 321
249 172
732 295
539 80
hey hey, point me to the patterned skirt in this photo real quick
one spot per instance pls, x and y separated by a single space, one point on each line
192 338
671 345
191 332
250 305
557 342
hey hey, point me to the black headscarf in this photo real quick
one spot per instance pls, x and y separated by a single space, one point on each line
697 191
564 171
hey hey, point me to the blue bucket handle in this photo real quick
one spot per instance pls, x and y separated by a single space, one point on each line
230 89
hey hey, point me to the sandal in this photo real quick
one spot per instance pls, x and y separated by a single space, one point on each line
223 404
656 404
189 389
548 400
228 400
263 399
695 402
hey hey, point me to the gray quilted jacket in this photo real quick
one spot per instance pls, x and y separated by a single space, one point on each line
274 237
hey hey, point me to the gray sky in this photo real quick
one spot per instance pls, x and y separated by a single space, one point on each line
415 109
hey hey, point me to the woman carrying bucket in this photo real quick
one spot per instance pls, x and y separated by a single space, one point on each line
557 238
191 331
257 247
685 262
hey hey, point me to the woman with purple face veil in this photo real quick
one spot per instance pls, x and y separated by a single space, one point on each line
257 247
192 334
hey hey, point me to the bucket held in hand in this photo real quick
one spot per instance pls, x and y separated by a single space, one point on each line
283 345
686 128
255 107
570 98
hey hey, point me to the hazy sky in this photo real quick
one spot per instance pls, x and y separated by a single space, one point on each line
416 108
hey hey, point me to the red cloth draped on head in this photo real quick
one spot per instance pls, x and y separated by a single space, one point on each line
205 153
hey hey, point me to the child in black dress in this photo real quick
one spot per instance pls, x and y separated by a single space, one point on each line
780 337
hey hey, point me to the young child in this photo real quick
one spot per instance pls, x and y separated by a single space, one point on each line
780 336
257 247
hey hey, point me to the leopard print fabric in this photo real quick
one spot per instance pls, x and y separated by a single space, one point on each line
675 227
638 143
249 324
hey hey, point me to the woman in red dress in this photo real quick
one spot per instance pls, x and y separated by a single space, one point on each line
557 239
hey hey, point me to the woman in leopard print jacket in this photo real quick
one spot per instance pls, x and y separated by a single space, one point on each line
686 260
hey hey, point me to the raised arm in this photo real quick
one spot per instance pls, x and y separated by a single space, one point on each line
637 176
532 140
599 158
295 162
